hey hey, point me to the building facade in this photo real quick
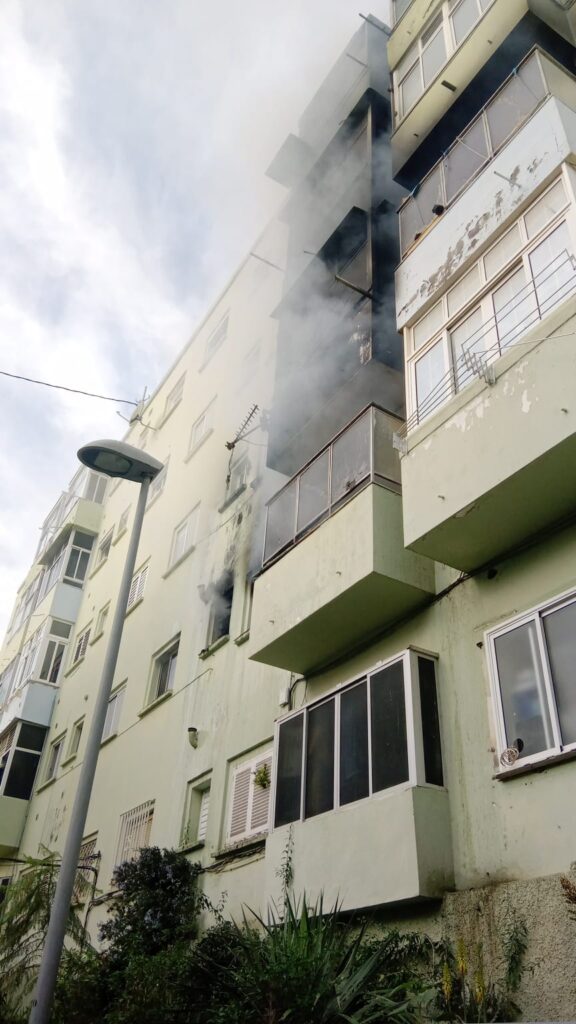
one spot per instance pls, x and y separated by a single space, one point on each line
350 636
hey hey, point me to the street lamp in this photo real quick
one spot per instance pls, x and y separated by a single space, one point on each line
115 459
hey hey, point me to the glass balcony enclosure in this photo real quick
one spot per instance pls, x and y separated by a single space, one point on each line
84 485
360 454
527 273
508 109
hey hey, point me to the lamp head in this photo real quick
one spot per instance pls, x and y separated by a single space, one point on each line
118 459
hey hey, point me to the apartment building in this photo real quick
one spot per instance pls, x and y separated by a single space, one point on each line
350 633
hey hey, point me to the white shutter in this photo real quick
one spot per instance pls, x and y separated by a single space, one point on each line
137 586
260 797
240 800
203 816
135 827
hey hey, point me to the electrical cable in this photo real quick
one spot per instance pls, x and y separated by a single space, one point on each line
62 387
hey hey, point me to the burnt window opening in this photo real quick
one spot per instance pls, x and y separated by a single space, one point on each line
221 607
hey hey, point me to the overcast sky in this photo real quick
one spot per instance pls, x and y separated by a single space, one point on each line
134 137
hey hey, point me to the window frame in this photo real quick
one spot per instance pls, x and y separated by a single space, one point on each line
196 790
104 548
189 520
117 695
414 735
205 416
166 657
245 765
53 758
101 620
75 738
146 810
80 645
173 398
534 614
137 587
482 296
446 27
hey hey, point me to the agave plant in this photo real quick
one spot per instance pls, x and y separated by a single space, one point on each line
306 966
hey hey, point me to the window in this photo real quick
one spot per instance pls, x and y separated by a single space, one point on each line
508 109
184 536
75 738
101 621
532 667
157 485
54 651
201 428
113 713
85 872
221 595
123 522
54 755
216 339
78 558
174 397
238 477
399 7
95 487
376 733
429 54
137 586
20 749
135 827
164 671
533 275
197 807
250 799
81 645
103 549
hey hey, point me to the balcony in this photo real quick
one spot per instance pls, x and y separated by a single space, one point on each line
391 849
502 159
494 466
32 702
12 819
74 514
334 568
434 60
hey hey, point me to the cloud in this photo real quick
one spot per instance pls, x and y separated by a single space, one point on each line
133 145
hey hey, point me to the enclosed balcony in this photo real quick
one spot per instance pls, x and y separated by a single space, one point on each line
502 159
493 465
435 53
20 751
334 565
359 773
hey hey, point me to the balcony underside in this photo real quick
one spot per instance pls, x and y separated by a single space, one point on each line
339 586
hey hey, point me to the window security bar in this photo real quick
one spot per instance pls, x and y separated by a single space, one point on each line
476 359
360 454
455 170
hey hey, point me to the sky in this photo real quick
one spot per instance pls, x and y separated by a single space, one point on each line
134 139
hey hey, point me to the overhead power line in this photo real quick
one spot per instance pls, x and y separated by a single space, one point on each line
62 387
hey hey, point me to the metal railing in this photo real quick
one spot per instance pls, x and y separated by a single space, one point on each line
499 119
360 454
526 308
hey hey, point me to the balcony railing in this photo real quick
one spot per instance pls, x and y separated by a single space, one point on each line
360 454
546 290
507 110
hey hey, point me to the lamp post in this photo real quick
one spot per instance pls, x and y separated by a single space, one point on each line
114 459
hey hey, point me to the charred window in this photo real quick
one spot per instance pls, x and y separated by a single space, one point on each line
221 607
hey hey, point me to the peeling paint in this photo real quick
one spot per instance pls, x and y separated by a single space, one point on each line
526 403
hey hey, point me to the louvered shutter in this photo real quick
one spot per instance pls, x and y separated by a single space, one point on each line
260 797
240 801
203 816
132 593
